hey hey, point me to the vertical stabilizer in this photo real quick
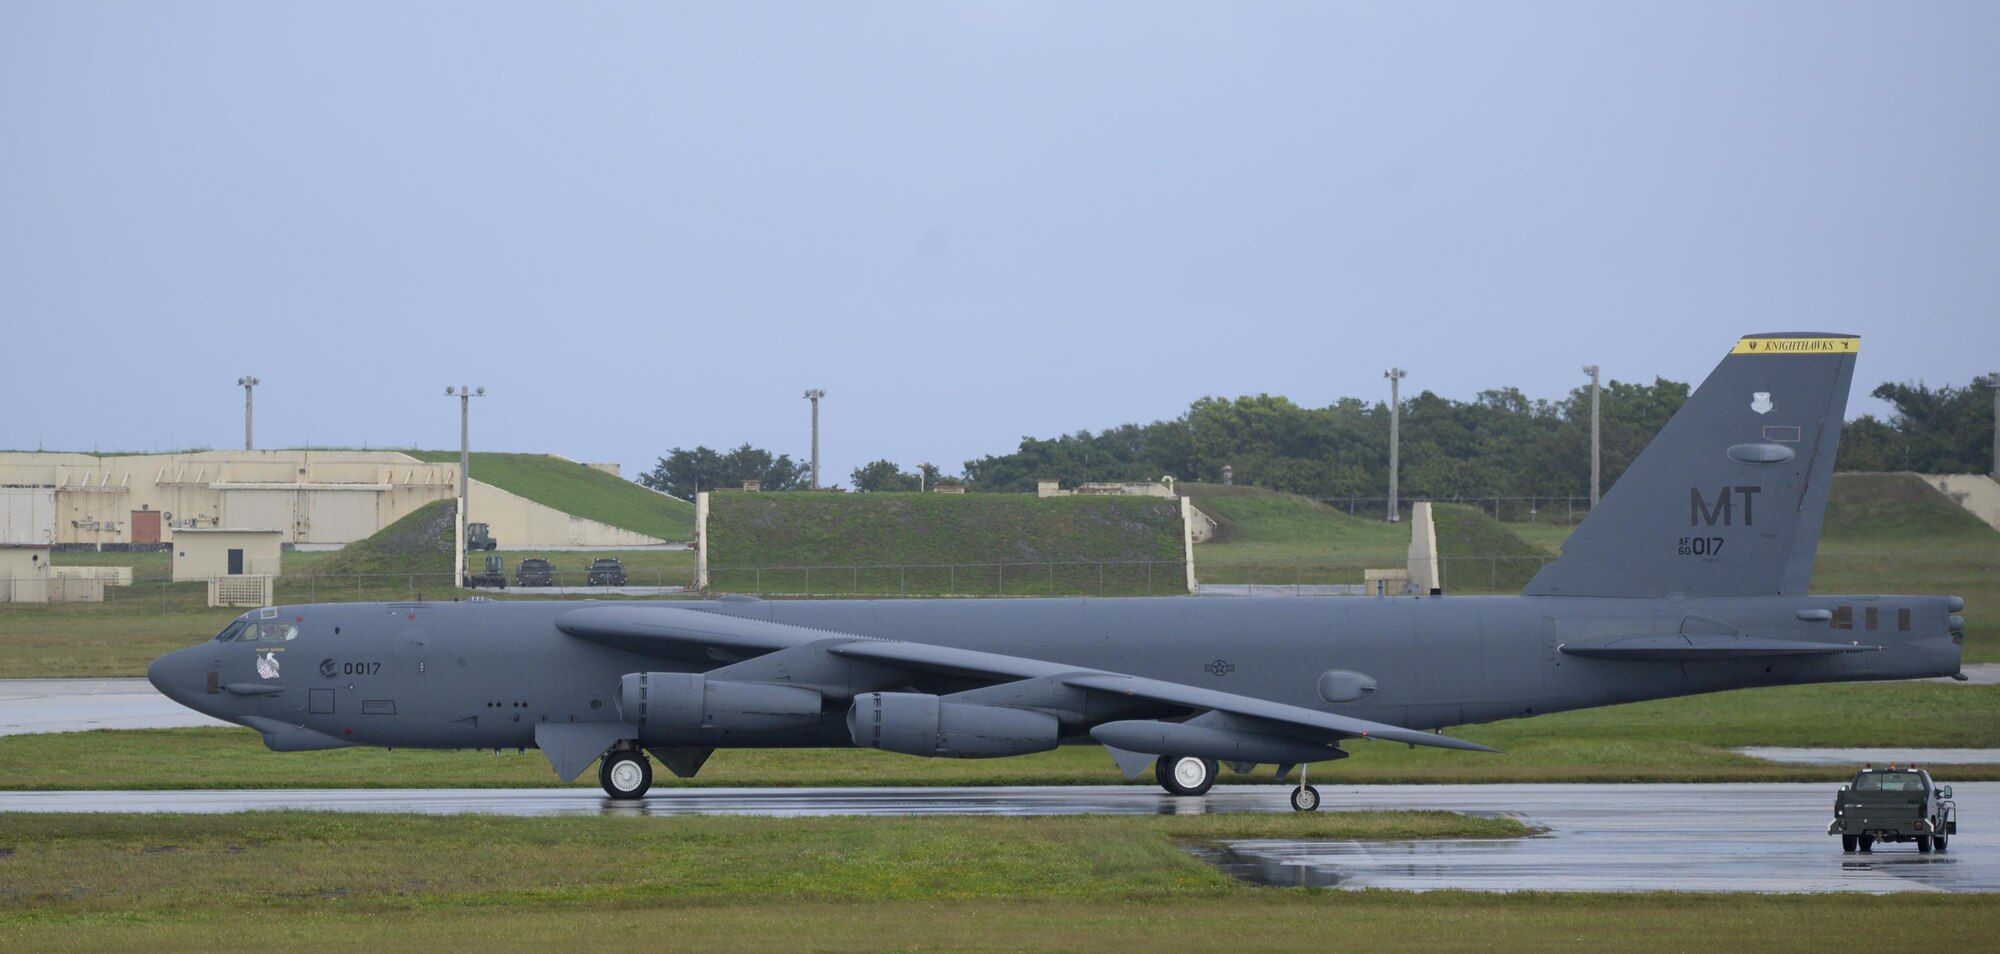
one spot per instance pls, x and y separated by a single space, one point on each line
1729 498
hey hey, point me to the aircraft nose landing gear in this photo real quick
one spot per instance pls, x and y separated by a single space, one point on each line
625 774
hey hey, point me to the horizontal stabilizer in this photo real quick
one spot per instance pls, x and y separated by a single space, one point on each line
1702 648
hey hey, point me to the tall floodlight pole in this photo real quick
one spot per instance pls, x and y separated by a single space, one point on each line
1994 380
1395 376
1596 458
465 395
814 395
247 383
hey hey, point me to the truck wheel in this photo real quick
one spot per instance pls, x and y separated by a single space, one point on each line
1924 844
1867 842
1847 843
1939 841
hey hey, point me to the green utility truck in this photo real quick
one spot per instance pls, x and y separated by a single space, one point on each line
1893 804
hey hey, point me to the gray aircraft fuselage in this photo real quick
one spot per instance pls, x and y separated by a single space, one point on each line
482 674
1691 576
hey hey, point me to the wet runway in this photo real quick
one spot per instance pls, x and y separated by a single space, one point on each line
1853 758
1748 837
78 705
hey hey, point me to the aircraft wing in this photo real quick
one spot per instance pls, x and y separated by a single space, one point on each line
682 633
679 633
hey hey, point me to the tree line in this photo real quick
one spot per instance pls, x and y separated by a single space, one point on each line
1501 443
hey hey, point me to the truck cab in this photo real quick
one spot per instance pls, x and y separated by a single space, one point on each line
1893 804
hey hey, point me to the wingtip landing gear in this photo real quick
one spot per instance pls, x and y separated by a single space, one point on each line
626 774
1305 798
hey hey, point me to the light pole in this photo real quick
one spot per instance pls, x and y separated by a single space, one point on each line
1595 458
465 395
247 383
1395 376
1994 380
814 395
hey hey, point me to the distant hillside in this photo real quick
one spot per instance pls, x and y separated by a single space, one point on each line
420 543
975 544
1896 505
576 489
1255 515
1480 555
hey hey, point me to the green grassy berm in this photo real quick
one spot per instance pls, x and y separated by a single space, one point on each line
961 544
576 489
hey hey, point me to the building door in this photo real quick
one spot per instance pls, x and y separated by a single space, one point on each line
145 526
235 562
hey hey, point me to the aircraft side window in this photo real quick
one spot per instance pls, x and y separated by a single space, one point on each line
1903 620
233 631
1843 617
1872 618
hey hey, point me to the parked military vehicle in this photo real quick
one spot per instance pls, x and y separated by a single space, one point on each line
478 537
535 571
494 577
605 571
1893 804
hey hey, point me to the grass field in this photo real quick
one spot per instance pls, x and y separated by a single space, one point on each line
346 882
584 491
1267 537
1673 740
959 544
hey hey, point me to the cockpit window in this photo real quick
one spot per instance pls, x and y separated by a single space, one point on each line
232 632
271 631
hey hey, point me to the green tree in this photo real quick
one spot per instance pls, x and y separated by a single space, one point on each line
882 475
686 472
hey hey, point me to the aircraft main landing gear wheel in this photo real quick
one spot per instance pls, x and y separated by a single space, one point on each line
625 774
1185 774
1305 798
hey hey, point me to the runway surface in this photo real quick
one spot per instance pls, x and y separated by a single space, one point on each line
1747 837
77 705
1856 757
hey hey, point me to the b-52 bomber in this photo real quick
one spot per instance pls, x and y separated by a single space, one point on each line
1690 577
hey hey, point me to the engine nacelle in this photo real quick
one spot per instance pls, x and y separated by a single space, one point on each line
684 703
914 723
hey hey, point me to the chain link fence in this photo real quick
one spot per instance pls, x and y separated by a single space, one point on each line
1560 511
1462 574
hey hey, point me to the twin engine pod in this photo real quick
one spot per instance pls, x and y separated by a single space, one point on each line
686 703
915 723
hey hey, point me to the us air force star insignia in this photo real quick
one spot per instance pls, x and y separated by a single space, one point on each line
1220 667
267 665
1760 402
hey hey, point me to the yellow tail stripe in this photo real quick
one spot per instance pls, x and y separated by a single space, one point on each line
1797 346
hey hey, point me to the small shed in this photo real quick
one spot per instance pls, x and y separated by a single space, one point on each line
24 572
207 553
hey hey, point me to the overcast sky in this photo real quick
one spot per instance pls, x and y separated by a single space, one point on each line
643 225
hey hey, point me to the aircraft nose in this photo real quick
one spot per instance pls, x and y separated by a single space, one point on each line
178 676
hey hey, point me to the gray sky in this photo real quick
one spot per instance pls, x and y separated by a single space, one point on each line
649 225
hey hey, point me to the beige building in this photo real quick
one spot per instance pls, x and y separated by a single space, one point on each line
209 552
24 573
308 496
